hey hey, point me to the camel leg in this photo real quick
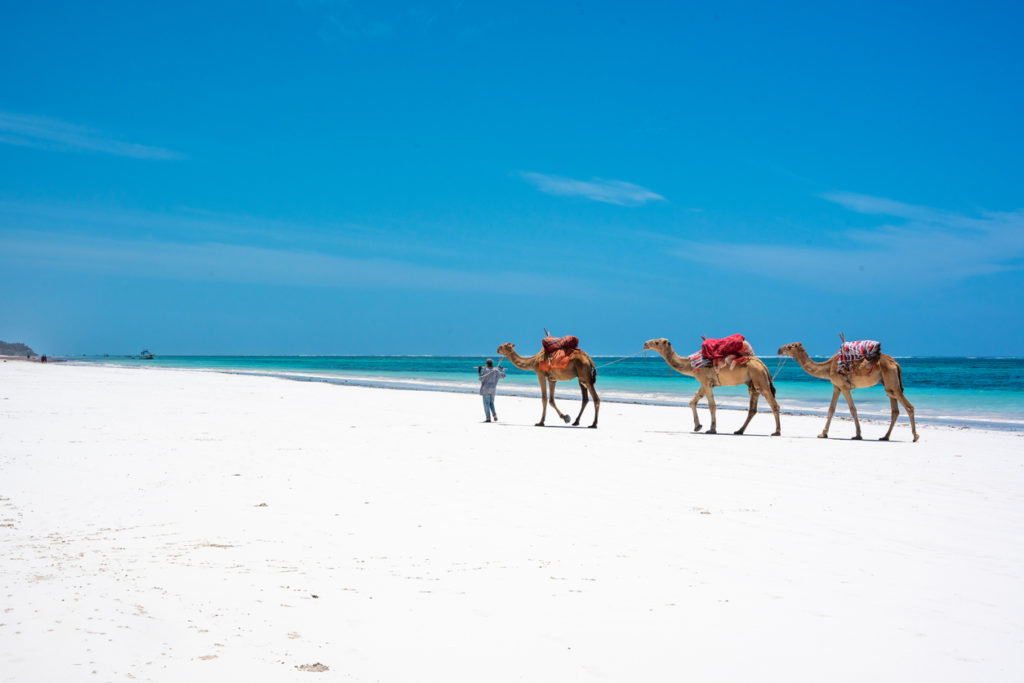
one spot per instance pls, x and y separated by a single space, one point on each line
853 412
831 412
551 399
693 406
892 380
583 390
711 407
895 413
751 411
910 413
763 384
775 410
597 404
543 401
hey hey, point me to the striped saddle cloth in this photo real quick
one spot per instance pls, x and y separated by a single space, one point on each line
699 360
855 351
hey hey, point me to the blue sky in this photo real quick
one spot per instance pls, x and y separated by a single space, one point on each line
346 177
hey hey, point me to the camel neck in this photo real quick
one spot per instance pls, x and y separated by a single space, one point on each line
676 361
812 367
521 362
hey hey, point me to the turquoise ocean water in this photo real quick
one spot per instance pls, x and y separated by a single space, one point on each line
980 392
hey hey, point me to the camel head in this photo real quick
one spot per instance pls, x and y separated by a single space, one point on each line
658 345
506 348
790 349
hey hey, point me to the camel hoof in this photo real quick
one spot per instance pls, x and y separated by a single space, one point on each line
576 423
565 419
592 427
823 435
916 437
856 438
712 431
738 431
698 428
539 424
884 438
776 433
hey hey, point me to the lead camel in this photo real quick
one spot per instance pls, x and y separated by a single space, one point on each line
581 367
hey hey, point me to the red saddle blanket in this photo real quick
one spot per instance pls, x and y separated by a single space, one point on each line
733 345
558 351
567 344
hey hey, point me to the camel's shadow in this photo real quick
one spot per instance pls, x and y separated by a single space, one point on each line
768 436
550 426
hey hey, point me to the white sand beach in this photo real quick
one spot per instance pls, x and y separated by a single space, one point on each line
166 525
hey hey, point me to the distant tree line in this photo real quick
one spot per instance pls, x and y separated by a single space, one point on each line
19 349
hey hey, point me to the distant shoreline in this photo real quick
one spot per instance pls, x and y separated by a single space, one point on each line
568 394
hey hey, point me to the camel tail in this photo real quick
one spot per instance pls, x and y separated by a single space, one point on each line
593 375
771 385
899 375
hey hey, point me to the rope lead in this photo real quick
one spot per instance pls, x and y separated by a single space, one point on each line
598 367
778 368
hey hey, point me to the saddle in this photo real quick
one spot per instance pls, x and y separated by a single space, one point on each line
734 350
558 351
858 357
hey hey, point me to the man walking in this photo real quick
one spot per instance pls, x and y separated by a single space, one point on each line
489 377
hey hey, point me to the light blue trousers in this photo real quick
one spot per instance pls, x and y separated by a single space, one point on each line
489 405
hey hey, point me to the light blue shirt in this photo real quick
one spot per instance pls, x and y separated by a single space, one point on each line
489 379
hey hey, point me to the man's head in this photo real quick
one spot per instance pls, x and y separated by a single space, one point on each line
490 363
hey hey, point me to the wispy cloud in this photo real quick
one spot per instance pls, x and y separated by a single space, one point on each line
194 245
258 265
46 133
188 243
929 246
189 225
616 192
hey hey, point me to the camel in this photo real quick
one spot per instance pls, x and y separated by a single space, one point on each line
581 367
754 374
886 370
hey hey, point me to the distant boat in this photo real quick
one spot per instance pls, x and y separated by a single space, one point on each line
146 355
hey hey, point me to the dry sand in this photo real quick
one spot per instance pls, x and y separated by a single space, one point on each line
189 526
